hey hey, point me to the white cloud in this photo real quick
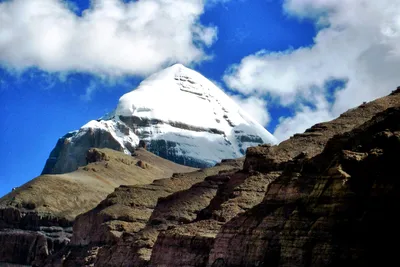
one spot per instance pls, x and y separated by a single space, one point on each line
110 38
359 42
87 96
305 117
255 107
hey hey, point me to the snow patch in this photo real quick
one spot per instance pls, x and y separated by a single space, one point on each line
111 126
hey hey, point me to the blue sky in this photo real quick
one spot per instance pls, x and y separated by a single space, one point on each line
294 62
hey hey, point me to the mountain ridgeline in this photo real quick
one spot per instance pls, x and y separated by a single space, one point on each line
181 115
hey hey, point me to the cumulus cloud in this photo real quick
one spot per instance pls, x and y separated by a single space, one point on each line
358 41
256 107
112 37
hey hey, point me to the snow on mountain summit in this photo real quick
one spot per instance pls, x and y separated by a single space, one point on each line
179 94
179 113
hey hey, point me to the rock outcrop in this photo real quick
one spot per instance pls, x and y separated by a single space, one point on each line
36 219
335 209
70 151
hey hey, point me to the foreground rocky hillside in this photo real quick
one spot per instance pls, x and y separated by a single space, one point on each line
124 215
326 197
337 208
36 219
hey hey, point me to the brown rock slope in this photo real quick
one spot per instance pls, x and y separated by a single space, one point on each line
201 242
118 232
338 208
36 219
241 217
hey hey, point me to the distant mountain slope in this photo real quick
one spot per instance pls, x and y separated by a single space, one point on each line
181 115
37 217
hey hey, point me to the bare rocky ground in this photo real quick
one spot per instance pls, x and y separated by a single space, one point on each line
327 197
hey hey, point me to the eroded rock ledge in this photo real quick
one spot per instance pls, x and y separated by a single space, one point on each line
339 210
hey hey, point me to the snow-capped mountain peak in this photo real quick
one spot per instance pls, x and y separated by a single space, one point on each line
182 116
179 94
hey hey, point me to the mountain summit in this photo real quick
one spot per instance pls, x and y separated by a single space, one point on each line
181 116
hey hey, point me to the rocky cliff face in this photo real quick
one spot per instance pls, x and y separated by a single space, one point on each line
28 237
326 197
337 208
70 151
181 115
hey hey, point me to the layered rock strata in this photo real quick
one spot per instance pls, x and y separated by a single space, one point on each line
337 209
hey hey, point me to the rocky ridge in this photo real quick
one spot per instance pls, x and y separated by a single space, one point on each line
335 209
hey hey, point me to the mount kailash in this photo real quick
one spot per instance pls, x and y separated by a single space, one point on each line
178 113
